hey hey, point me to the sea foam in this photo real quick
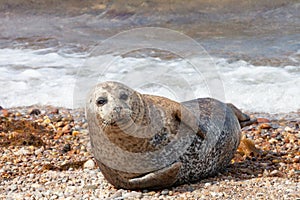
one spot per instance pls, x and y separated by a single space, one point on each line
47 77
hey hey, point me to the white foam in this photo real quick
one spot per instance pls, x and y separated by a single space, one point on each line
36 77
46 77
261 88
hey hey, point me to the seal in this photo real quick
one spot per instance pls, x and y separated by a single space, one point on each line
143 141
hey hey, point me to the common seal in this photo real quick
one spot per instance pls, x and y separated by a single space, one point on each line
144 141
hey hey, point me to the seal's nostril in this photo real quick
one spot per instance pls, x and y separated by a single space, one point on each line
118 109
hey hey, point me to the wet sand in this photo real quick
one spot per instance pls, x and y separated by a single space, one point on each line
46 154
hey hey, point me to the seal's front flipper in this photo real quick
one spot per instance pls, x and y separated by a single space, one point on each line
162 178
244 119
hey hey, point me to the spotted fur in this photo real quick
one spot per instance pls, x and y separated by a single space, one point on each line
130 131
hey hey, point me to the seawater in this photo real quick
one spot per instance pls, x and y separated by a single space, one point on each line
50 75
254 46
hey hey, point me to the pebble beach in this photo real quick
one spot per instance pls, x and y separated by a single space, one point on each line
46 154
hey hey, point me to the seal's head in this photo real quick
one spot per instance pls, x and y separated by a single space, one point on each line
114 103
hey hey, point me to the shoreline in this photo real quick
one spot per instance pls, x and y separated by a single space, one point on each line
45 154
293 115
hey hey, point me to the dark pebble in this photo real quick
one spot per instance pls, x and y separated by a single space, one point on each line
66 148
1 108
35 111
274 126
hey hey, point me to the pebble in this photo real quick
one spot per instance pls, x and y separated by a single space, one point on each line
207 184
66 148
34 111
132 194
276 173
54 111
262 120
265 126
90 164
5 113
117 194
22 151
66 129
288 129
216 194
39 151
75 133
59 124
13 187
165 192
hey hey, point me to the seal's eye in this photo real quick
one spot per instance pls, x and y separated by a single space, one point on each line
101 101
123 96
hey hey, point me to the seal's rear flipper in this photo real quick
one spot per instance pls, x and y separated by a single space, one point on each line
165 177
244 119
248 123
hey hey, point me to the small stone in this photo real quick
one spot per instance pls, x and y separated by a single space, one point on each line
22 151
34 111
66 148
288 129
75 133
18 114
39 151
82 148
265 126
66 129
276 173
262 120
35 185
47 121
90 164
275 161
207 184
91 187
165 192
132 194
272 141
216 194
5 113
54 111
54 197
259 194
13 187
59 124
84 126
296 159
117 194
151 193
